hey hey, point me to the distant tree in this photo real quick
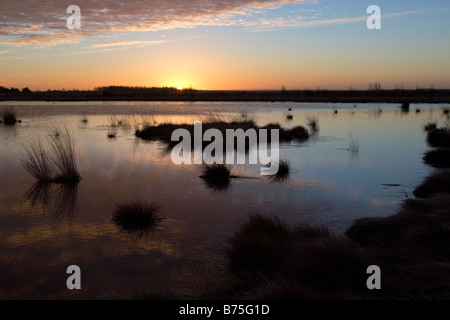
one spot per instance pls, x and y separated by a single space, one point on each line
26 90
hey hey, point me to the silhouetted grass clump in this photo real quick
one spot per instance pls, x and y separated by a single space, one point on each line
430 126
272 260
163 132
258 248
137 217
434 184
58 165
112 133
411 247
438 137
354 145
298 133
37 162
439 157
8 116
64 157
313 123
283 173
216 176
405 107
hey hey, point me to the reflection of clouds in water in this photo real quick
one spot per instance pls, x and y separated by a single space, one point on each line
109 242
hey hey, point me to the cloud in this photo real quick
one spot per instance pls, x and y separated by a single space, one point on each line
298 21
125 44
5 51
44 22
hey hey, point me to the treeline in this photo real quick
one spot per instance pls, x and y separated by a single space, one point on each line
126 93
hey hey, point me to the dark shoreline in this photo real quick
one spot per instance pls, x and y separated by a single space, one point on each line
172 94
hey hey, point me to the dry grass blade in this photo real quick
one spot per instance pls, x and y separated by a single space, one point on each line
63 150
37 162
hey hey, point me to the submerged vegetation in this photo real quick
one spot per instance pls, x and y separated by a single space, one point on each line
58 165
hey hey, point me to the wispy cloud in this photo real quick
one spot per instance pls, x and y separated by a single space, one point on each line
5 51
298 21
43 23
30 22
126 44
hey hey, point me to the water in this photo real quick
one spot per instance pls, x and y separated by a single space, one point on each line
329 185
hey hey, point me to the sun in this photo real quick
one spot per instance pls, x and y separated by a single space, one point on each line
179 88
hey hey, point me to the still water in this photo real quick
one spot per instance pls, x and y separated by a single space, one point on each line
42 232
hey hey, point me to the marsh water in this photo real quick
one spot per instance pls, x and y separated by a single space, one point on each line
44 230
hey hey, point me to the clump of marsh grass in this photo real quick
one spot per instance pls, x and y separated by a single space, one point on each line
438 137
64 158
258 248
217 176
439 157
283 173
112 133
58 165
405 107
303 259
430 126
436 183
247 118
354 145
37 162
8 116
313 123
115 121
137 217
298 133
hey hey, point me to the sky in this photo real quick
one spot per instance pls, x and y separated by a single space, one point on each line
225 44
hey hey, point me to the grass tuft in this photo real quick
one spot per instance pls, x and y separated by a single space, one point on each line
63 150
216 176
439 157
313 123
434 184
283 173
137 217
8 116
57 165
